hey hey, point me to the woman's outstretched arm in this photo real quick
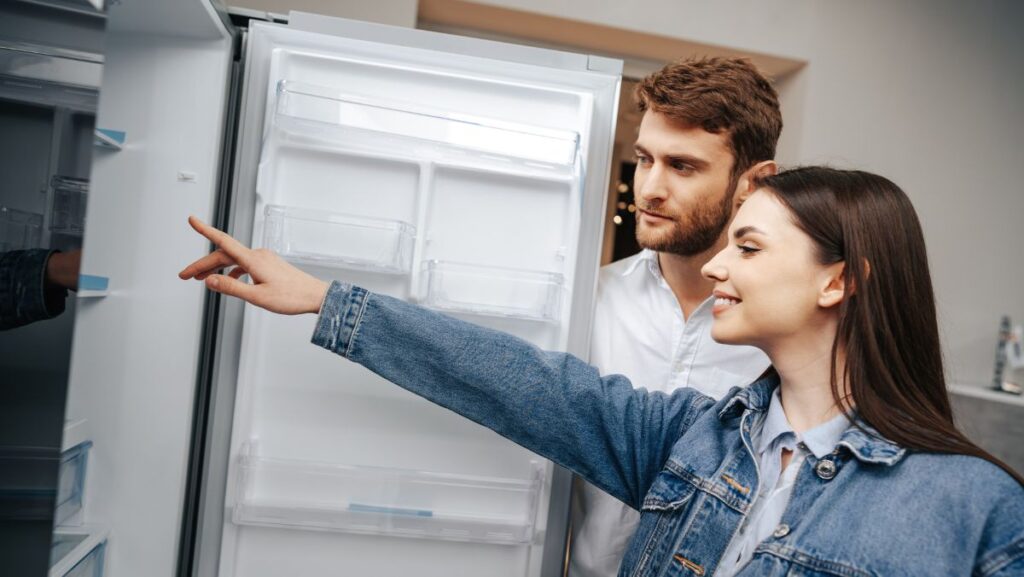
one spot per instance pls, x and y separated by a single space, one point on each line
554 404
613 435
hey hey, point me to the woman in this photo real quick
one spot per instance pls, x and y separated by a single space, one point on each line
842 460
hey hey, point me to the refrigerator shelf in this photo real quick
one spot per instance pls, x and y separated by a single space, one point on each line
71 484
381 501
493 291
337 240
308 111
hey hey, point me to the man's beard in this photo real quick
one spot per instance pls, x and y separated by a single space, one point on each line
692 235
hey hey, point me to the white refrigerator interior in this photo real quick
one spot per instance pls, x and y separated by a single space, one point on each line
434 176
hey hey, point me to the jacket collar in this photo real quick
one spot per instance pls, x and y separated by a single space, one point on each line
864 442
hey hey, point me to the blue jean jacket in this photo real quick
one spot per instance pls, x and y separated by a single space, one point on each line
25 297
871 508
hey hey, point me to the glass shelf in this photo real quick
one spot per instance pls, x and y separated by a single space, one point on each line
493 291
379 501
339 240
325 113
69 202
19 229
71 484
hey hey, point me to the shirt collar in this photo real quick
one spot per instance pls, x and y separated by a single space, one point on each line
775 424
647 258
864 442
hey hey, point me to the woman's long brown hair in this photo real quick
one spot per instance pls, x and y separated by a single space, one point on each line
887 322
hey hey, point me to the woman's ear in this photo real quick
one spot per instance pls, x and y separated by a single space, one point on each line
833 285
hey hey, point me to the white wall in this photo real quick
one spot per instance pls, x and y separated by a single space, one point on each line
928 93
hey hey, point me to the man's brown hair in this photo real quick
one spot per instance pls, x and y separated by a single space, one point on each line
719 95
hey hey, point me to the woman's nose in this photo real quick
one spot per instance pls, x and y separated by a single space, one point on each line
714 269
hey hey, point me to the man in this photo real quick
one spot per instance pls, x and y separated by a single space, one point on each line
709 127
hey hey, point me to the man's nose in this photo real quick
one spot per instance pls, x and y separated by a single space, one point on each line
650 187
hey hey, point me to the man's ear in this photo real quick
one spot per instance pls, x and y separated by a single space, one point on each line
833 285
748 180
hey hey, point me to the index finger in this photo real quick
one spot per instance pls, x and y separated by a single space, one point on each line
222 240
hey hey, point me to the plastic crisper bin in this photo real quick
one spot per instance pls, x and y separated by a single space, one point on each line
493 291
69 201
339 240
380 501
403 128
19 229
71 484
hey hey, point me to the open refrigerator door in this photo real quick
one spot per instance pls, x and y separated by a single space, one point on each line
464 175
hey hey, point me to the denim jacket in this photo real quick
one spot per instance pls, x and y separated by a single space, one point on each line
871 508
25 297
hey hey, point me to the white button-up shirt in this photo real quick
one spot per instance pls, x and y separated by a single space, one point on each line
640 332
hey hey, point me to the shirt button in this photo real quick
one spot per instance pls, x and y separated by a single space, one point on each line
781 531
826 469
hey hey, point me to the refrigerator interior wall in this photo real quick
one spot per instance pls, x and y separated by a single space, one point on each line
429 176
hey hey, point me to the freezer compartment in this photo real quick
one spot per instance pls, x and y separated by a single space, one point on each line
382 501
19 229
493 291
339 240
71 484
69 201
400 128
78 553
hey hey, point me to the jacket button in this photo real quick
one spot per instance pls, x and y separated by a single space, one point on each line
781 531
826 469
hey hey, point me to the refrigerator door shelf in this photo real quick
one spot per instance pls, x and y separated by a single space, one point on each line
313 112
78 552
493 291
338 240
381 501
71 484
69 198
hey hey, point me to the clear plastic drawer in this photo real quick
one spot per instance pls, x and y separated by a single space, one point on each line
400 127
381 501
493 291
71 484
339 240
19 229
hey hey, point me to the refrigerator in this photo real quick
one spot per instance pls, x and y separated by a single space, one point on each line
466 175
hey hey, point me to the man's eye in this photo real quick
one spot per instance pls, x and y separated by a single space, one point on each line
682 167
747 250
640 159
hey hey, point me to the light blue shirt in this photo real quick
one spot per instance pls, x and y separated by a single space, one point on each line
770 436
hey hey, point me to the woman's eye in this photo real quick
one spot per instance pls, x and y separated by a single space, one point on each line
747 250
